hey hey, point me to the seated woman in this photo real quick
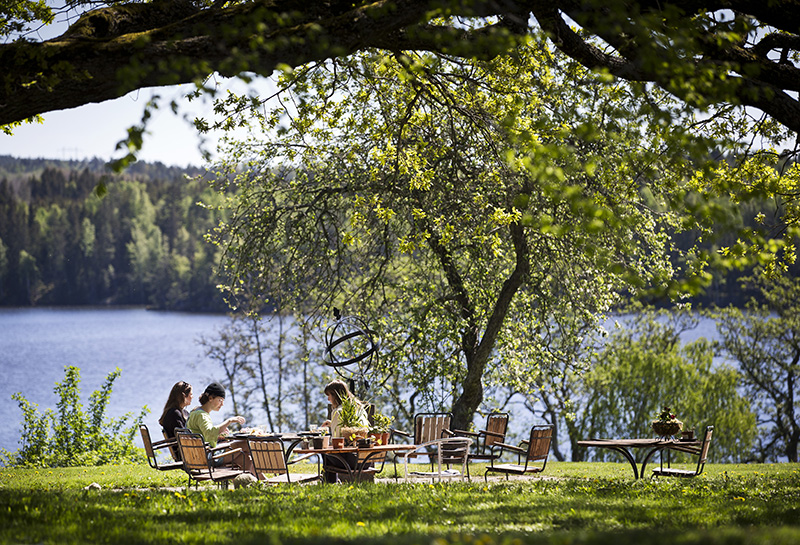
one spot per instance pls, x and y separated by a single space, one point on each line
336 392
174 414
199 421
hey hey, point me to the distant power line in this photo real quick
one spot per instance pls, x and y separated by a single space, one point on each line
73 154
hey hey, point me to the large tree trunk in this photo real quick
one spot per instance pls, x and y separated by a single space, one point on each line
477 350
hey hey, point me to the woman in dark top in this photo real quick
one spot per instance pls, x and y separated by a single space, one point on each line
175 414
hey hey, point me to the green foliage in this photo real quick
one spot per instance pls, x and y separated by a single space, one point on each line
16 17
381 422
349 413
72 437
457 205
763 341
623 381
645 367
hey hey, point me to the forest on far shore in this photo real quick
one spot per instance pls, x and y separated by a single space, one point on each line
140 244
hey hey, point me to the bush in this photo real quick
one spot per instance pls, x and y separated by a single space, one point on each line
70 436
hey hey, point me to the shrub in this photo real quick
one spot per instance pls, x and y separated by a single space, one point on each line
70 436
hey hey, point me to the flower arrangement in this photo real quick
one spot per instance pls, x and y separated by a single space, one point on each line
666 424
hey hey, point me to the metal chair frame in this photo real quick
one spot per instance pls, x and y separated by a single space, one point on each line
447 451
428 427
198 459
495 432
151 449
538 450
701 452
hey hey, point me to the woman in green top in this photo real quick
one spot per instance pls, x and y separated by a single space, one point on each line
199 421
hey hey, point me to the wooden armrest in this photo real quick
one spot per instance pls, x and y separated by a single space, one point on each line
487 432
220 446
404 434
464 432
164 443
227 452
504 446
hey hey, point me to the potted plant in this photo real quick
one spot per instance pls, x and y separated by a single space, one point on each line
380 427
666 425
349 421
321 442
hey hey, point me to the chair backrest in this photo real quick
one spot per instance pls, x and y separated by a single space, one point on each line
496 425
268 456
148 446
430 426
193 451
701 461
454 450
539 444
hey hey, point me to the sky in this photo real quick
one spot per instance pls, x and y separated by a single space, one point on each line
93 131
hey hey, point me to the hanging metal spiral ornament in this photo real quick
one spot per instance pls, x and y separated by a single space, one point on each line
350 348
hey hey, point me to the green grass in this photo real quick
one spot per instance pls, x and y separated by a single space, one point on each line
579 503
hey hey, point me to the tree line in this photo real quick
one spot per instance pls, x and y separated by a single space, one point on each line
142 243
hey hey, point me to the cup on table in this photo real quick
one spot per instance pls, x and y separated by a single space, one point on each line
338 442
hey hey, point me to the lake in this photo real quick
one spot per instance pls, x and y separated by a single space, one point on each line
153 350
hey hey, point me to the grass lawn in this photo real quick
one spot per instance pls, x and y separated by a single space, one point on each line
576 503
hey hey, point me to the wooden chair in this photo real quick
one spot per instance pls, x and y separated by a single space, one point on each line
176 454
151 449
199 461
446 452
537 450
494 432
428 427
269 457
702 455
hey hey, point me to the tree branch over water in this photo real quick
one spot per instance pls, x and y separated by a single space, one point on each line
741 52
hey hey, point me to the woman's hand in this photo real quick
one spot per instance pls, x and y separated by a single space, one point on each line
325 424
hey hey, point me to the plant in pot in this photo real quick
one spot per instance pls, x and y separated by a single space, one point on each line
666 425
321 442
380 427
350 421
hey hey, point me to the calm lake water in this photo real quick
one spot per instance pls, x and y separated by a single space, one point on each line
152 349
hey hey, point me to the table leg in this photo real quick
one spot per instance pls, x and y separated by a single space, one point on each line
344 465
647 458
628 456
291 446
